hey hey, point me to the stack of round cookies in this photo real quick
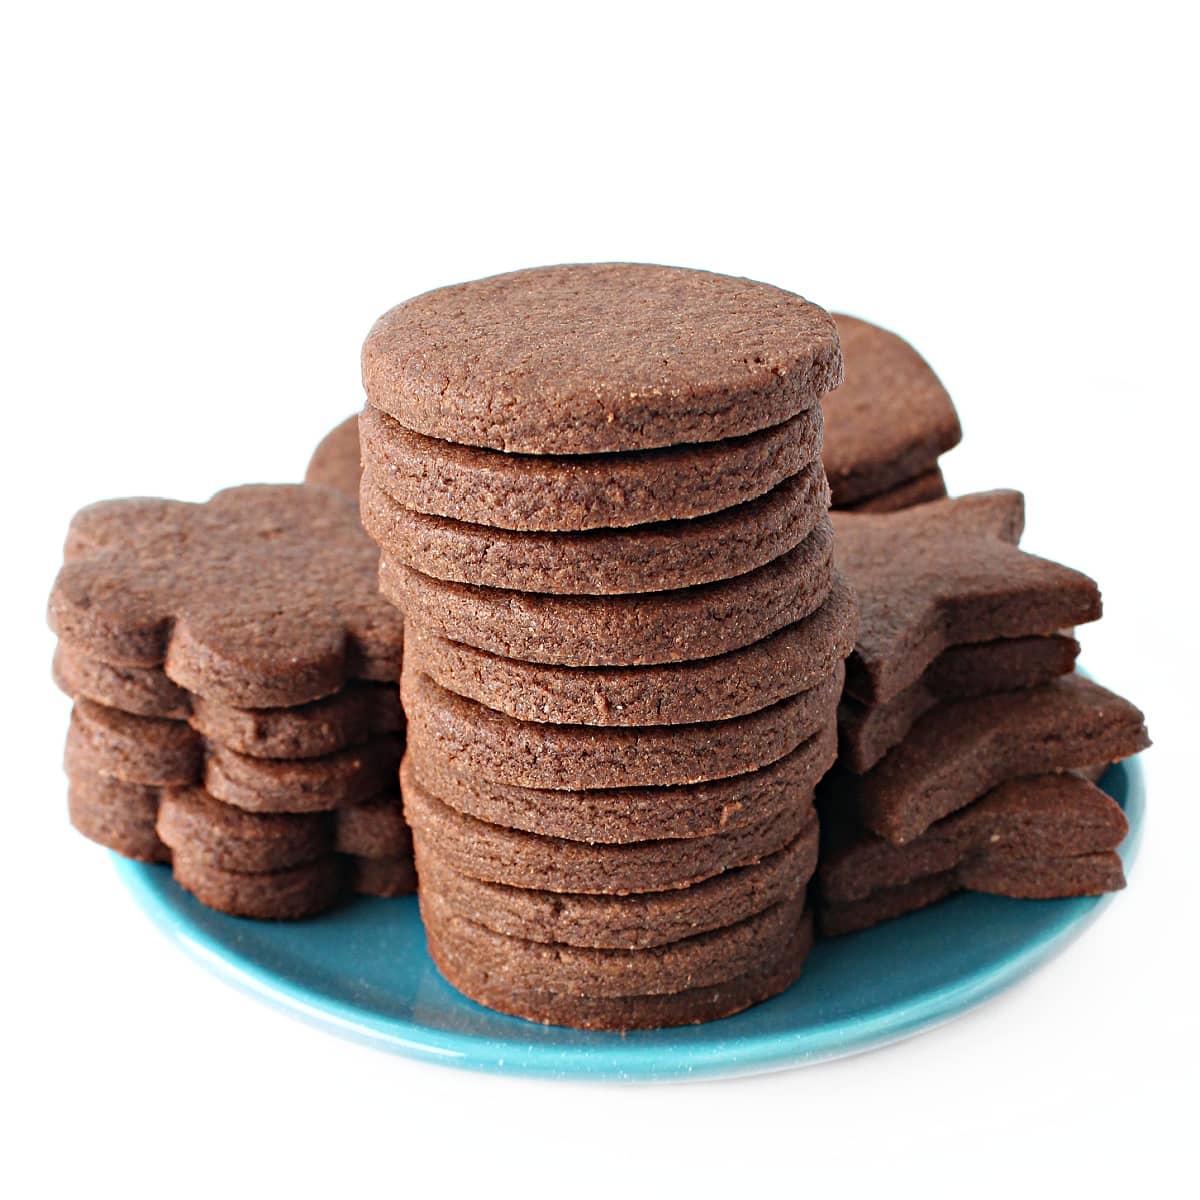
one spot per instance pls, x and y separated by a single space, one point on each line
600 503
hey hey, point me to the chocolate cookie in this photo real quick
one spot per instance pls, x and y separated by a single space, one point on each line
374 829
1031 818
287 894
601 562
961 749
336 461
623 815
121 816
703 960
578 492
599 631
625 922
868 731
264 596
889 420
766 978
497 747
347 718
599 357
525 860
944 573
929 485
383 877
711 689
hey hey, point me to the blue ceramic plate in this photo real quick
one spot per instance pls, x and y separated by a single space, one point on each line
363 972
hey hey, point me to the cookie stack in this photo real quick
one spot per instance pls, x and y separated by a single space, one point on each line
599 499
968 745
236 710
888 423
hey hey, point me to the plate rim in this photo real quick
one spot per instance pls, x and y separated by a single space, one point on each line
620 1058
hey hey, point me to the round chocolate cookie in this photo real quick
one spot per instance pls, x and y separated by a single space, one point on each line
526 860
209 833
616 816
578 492
599 357
335 462
528 754
700 961
711 689
287 894
602 562
625 922
120 816
600 631
622 1013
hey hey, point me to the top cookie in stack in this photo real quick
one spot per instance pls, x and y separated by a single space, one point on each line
600 501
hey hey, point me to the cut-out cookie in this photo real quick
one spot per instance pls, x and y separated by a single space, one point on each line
945 573
578 492
599 357
889 420
264 596
929 485
336 462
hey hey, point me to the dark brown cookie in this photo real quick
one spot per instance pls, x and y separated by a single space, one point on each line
623 815
385 877
262 597
945 573
1028 879
1029 818
889 420
624 922
526 860
121 816
765 979
961 749
336 462
374 829
347 718
602 562
577 492
929 485
703 960
868 731
287 894
207 832
712 689
528 754
621 631
598 357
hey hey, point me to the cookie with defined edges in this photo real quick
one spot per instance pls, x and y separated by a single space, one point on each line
624 922
889 420
579 492
348 717
692 1006
599 357
602 562
120 816
525 860
929 485
944 573
601 631
264 596
622 815
374 829
336 462
287 894
963 748
868 731
711 689
538 755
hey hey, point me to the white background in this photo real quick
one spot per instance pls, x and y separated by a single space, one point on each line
204 208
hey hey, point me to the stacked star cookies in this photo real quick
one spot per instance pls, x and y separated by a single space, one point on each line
599 499
236 711
888 423
968 745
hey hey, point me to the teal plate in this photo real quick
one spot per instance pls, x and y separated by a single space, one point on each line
363 972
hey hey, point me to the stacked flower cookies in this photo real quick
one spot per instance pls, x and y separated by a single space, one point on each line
967 743
599 499
236 711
